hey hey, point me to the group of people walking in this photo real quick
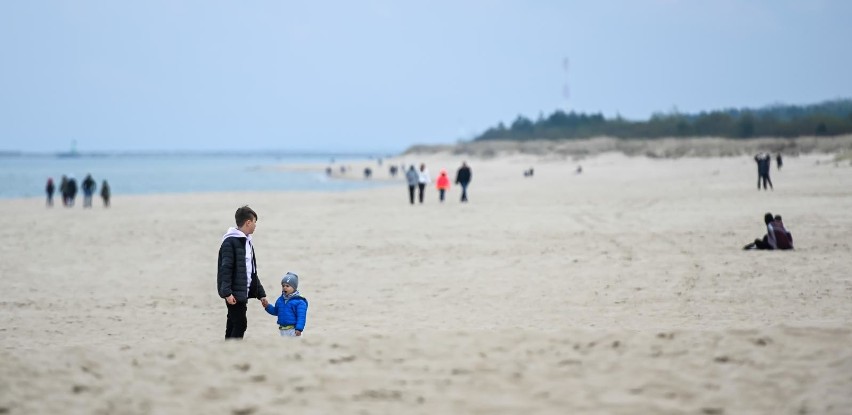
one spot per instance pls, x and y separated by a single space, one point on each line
68 190
418 180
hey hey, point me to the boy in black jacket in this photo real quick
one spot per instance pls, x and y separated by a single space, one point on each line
237 278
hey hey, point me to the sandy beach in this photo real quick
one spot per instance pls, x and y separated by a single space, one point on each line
621 290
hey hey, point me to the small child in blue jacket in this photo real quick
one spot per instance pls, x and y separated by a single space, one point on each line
291 308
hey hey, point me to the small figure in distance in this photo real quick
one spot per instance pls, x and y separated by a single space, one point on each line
367 172
89 187
71 189
49 188
779 161
579 170
63 190
105 193
763 164
443 184
412 178
463 178
423 179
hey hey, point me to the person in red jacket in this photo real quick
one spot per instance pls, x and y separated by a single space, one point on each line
443 184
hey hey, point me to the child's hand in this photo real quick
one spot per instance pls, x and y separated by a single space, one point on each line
298 333
264 302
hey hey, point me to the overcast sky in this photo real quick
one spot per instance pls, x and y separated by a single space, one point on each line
380 75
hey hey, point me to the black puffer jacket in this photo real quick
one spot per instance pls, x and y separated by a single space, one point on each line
231 276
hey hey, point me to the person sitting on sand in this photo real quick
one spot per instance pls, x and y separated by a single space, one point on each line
777 236
781 238
291 308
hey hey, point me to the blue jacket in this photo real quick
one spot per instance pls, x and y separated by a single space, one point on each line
290 312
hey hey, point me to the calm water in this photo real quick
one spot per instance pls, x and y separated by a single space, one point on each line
26 176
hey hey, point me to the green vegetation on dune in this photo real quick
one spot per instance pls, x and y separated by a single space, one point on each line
829 118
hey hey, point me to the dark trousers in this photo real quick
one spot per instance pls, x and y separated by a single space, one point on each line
422 187
765 178
761 244
464 192
411 193
235 328
441 193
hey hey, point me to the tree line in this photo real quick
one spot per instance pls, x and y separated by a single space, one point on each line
827 118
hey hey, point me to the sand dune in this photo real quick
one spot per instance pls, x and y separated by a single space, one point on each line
621 290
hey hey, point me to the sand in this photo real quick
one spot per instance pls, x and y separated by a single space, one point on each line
622 290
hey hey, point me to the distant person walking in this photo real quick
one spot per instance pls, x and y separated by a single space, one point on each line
763 162
105 193
71 189
443 184
63 190
423 179
237 279
89 186
411 177
49 189
779 161
463 176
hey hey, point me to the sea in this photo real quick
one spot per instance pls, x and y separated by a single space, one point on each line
23 176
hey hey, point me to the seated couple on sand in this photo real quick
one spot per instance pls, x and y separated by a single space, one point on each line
777 236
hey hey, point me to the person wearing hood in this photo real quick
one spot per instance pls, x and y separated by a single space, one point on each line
411 177
237 277
291 308
443 184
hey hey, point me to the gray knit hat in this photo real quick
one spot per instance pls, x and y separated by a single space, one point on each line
291 279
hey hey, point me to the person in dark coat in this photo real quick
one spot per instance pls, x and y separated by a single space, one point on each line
63 190
88 186
463 176
49 189
71 188
105 193
237 279
763 162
